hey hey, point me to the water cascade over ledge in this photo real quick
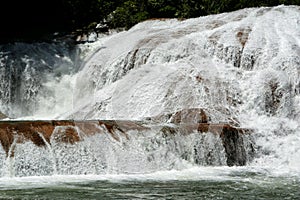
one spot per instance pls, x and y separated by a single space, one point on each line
31 148
219 90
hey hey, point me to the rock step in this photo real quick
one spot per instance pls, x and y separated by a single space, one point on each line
70 131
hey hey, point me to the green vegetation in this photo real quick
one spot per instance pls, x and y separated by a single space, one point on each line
126 13
47 16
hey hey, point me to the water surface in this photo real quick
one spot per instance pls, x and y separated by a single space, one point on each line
217 183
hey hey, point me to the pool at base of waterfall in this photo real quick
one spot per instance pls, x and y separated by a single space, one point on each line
192 183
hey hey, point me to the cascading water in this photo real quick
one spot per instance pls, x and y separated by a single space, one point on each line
30 73
101 154
43 148
240 68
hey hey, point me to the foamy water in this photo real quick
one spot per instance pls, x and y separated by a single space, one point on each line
242 65
192 173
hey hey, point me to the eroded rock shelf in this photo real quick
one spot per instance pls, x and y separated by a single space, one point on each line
71 132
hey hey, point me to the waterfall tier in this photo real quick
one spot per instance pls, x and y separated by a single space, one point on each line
102 146
240 68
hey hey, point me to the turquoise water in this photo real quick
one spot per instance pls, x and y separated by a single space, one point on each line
217 183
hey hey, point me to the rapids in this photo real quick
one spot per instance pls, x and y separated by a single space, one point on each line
240 67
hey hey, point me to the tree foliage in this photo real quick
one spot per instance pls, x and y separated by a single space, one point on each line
69 15
131 12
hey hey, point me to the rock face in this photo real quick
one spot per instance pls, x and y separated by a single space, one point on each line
40 132
43 133
2 116
190 116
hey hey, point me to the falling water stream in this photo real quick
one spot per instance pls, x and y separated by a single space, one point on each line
242 68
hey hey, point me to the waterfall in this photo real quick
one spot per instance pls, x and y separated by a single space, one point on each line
43 148
29 74
240 68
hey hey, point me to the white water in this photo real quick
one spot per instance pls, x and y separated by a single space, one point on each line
188 174
243 65
36 78
203 63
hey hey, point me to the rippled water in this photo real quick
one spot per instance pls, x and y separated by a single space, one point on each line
194 183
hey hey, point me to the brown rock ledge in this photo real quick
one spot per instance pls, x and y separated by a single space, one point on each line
69 131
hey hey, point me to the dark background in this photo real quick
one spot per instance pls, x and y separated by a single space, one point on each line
36 20
29 19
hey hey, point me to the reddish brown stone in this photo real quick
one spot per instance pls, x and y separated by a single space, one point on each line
36 131
67 135
191 116
88 127
243 36
40 132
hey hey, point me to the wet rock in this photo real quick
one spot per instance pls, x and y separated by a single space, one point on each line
43 133
184 116
192 115
2 116
234 146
